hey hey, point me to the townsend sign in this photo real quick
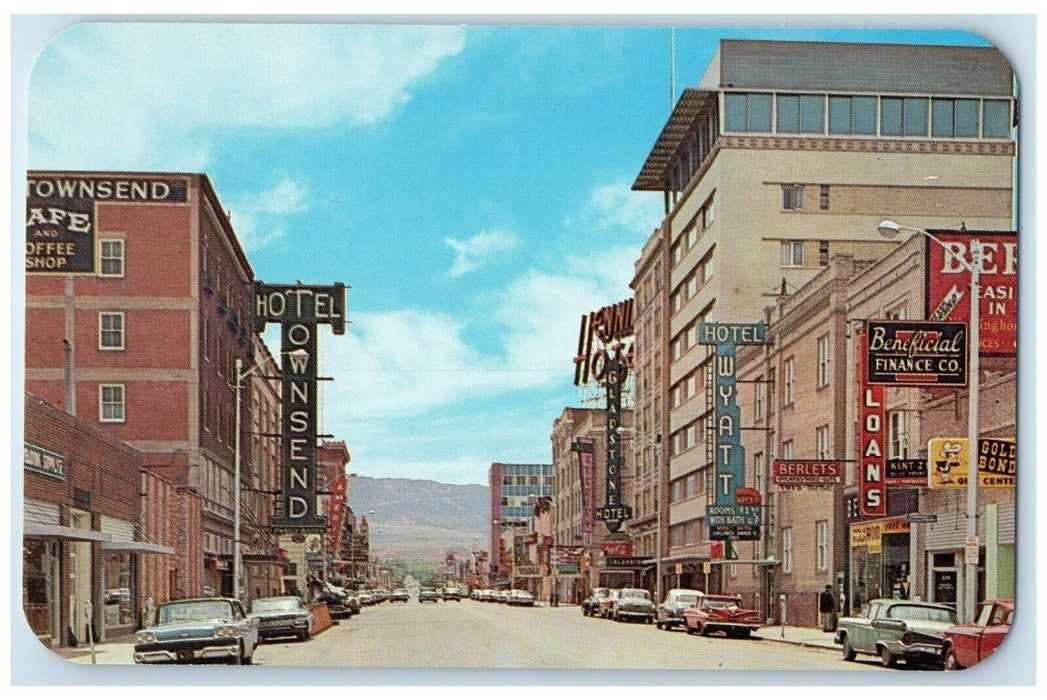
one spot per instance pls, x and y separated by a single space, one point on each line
949 282
299 310
605 336
916 353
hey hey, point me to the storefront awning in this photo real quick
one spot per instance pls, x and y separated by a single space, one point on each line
137 548
59 532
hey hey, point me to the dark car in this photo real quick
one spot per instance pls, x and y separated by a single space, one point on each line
428 595
452 594
633 604
198 630
721 613
400 595
669 612
591 605
285 616
897 629
337 599
966 645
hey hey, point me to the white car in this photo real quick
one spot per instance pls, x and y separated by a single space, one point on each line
519 597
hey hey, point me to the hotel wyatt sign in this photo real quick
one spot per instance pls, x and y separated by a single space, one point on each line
299 310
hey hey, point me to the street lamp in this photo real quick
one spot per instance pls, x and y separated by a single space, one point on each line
241 375
889 229
657 445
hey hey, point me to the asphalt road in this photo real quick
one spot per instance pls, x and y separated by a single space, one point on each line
472 634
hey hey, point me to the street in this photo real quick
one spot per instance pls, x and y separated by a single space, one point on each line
471 634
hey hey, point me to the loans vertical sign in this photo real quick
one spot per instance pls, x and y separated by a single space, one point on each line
727 519
872 467
299 310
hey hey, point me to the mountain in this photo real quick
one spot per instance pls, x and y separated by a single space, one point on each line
420 520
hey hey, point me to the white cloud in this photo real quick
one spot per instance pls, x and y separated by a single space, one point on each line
252 214
141 96
480 249
615 205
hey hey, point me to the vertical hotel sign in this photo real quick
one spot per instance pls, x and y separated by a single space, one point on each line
299 310
727 518
872 474
614 511
585 447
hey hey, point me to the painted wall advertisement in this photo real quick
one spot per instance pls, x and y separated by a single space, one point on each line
948 285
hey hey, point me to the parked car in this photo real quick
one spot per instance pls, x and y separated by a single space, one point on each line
607 604
400 595
520 597
365 598
966 645
633 604
591 605
428 595
337 599
198 630
721 613
500 596
485 595
669 612
284 616
352 602
474 594
897 629
452 594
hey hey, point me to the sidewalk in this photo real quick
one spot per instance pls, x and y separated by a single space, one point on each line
804 636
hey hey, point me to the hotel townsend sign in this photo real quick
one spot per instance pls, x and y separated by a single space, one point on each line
61 216
727 519
916 353
299 310
949 282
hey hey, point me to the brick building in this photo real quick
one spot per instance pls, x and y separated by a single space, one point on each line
144 346
83 546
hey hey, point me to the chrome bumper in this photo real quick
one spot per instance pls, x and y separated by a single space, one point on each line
164 656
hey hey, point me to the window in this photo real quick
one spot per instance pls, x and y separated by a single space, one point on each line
760 392
898 312
996 122
772 403
821 545
708 214
758 470
823 199
903 116
822 444
111 258
748 112
787 449
787 550
789 379
792 197
823 253
110 330
898 438
852 115
111 403
792 253
954 118
823 361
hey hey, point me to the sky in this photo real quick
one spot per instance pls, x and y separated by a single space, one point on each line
469 182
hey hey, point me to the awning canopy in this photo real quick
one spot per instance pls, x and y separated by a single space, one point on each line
137 548
60 532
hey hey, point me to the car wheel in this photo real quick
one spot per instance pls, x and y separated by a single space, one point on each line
703 630
690 630
887 658
658 625
302 635
849 653
951 662
650 620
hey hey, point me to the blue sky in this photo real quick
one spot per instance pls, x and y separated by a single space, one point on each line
470 183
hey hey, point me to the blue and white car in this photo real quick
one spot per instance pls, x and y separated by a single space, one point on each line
198 630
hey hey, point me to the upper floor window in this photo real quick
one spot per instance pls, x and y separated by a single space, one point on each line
110 330
748 112
792 253
823 360
111 407
789 380
954 118
792 197
996 119
801 114
898 446
852 115
111 258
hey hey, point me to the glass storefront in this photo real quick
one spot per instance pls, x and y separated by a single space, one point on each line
119 597
40 580
879 561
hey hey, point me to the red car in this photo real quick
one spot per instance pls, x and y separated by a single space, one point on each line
721 613
966 645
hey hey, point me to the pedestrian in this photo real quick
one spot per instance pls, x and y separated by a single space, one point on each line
827 608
